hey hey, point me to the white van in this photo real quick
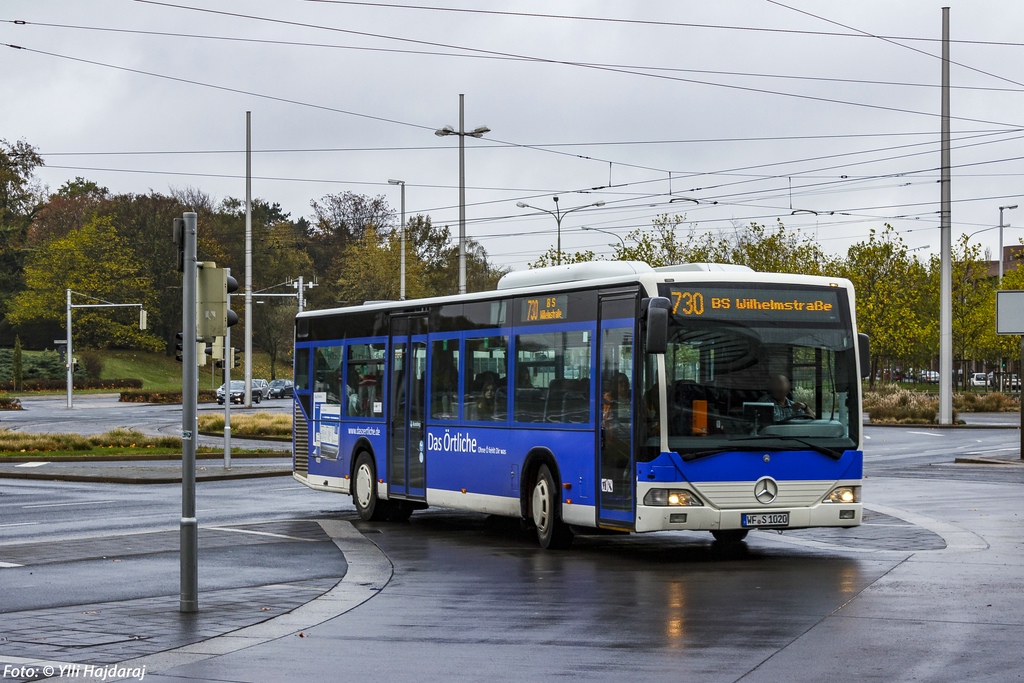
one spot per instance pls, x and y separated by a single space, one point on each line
979 379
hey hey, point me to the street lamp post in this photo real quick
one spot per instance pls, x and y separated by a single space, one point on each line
1001 226
401 275
462 133
559 215
608 232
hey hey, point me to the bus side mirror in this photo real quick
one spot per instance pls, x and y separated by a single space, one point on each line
864 351
657 324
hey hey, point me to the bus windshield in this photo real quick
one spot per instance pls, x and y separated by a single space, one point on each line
754 370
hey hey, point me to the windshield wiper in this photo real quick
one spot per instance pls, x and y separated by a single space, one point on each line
834 453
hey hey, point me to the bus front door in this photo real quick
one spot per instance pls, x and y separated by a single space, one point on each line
406 452
616 472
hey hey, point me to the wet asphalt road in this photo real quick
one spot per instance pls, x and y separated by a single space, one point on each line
927 589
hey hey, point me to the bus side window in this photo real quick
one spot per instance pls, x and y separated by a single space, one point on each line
327 372
486 382
444 379
364 395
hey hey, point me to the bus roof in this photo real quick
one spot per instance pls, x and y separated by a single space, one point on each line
593 273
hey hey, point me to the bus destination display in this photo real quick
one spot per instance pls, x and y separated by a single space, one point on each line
535 309
772 304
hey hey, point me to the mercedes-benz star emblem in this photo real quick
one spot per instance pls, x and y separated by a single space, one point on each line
766 490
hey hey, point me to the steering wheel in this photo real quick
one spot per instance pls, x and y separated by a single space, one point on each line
800 417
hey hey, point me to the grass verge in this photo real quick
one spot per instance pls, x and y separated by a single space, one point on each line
117 442
257 424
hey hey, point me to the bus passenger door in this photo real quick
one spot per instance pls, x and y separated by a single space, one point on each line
406 451
616 473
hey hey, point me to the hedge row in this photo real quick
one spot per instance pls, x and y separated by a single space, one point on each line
55 384
146 396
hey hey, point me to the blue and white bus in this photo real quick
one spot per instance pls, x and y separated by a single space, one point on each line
608 395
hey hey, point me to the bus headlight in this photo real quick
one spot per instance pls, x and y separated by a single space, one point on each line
661 497
844 494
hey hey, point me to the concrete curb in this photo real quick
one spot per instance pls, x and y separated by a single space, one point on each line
155 478
980 460
369 571
935 426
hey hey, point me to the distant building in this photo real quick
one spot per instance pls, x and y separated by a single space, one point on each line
1013 256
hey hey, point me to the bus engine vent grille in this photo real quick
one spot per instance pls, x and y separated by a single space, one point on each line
301 448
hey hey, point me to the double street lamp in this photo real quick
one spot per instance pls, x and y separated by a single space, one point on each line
559 215
462 133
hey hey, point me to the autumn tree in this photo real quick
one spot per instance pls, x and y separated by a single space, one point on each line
887 283
97 264
20 196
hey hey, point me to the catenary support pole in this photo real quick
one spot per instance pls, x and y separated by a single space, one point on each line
945 230
189 541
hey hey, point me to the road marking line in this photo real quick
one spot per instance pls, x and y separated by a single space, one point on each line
259 533
9 564
926 433
19 524
58 505
33 464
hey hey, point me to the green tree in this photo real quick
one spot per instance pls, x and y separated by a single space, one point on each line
973 301
887 281
97 263
551 258
19 200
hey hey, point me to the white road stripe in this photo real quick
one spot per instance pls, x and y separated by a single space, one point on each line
8 564
926 434
59 505
32 464
19 524
259 533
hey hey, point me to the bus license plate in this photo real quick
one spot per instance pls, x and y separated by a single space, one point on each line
766 519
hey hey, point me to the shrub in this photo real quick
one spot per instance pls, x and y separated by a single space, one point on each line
93 362
260 424
986 403
894 405
9 403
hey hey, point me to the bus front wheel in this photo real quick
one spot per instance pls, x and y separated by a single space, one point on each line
546 510
730 535
364 490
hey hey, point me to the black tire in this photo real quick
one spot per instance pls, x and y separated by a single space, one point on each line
364 491
399 510
730 535
546 512
256 398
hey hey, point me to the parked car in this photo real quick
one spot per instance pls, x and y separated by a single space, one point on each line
262 387
929 376
237 392
979 379
279 388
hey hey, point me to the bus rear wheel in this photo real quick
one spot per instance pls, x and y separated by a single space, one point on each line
364 491
546 510
730 535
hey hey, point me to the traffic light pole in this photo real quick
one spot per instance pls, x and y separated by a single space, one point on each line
189 539
228 360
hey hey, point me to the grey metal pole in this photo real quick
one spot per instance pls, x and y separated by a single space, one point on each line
189 541
228 357
945 230
69 356
1020 374
462 196
1000 280
401 278
558 230
248 259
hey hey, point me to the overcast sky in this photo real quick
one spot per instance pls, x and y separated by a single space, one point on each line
754 108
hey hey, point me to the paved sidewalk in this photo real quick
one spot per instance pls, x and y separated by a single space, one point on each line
150 634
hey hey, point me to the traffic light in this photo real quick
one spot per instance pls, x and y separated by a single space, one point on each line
235 357
201 351
213 312
143 316
179 350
